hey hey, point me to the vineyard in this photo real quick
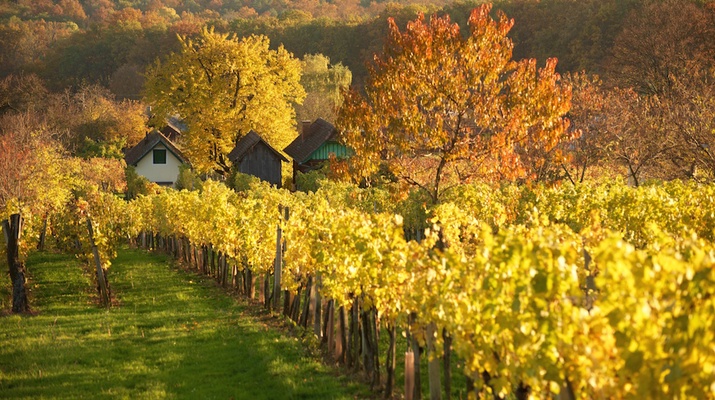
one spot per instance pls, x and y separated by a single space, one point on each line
587 291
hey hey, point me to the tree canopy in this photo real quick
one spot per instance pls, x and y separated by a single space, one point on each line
222 88
441 108
323 83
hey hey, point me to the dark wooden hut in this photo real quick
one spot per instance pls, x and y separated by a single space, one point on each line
254 156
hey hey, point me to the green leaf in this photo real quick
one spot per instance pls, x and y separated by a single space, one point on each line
634 361
540 283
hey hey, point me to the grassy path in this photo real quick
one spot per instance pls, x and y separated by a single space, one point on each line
173 335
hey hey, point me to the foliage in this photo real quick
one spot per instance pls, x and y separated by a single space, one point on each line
242 182
309 181
223 87
136 184
95 124
187 179
441 108
323 84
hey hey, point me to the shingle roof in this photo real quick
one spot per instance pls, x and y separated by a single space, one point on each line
246 143
150 141
310 140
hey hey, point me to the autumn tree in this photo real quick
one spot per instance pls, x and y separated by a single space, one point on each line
223 88
588 151
440 108
91 123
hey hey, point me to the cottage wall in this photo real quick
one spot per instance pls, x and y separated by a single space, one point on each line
163 174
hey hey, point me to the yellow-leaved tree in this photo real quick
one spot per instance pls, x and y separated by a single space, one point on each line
222 88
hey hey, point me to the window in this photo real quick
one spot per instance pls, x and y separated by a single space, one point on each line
159 156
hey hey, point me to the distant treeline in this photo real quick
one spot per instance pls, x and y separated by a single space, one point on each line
74 42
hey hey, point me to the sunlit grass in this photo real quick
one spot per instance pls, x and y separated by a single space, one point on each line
171 335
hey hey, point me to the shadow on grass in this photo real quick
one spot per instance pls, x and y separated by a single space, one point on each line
172 335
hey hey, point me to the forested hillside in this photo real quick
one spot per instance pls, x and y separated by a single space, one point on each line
640 71
68 42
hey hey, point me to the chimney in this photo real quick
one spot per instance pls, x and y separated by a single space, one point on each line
305 125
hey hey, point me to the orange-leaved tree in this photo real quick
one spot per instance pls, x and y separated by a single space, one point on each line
441 108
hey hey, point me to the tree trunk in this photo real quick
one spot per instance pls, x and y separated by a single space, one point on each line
13 231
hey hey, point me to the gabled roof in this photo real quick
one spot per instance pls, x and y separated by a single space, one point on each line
136 153
248 142
310 140
171 132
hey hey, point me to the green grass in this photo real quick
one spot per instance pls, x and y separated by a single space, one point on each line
171 334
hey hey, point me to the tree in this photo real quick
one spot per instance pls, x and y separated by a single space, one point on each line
323 84
440 108
660 42
588 116
223 88
638 136
92 123
689 109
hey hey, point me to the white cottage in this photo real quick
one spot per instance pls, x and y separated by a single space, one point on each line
156 158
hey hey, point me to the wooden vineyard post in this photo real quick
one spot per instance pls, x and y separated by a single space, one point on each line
409 374
390 360
470 387
317 306
342 336
567 392
306 304
101 281
13 230
337 333
262 288
330 326
277 268
43 234
435 388
416 353
251 283
279 258
447 363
